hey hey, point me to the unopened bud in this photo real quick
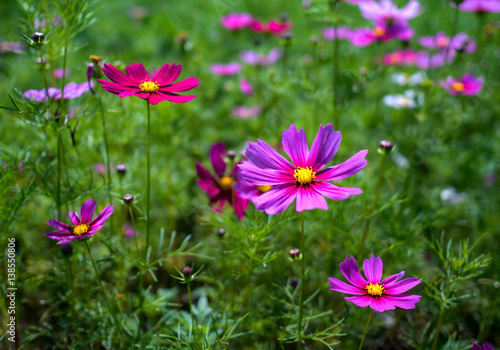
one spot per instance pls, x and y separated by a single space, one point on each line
294 283
120 296
294 253
67 249
187 271
121 169
231 154
128 198
221 232
38 39
385 146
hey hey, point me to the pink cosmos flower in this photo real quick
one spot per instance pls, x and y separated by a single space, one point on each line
221 187
246 87
236 21
10 46
341 34
225 69
58 73
100 168
71 91
254 58
128 230
273 26
386 12
243 112
137 82
379 295
83 227
381 33
479 6
305 179
460 42
467 85
406 57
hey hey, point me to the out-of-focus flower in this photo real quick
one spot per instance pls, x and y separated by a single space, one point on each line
406 57
305 180
381 33
243 112
273 26
380 295
71 91
485 346
83 225
58 73
449 195
10 46
407 79
254 58
236 21
386 12
409 100
100 168
467 85
138 12
225 69
221 187
459 43
156 89
479 6
342 33
39 23
128 230
246 87
400 160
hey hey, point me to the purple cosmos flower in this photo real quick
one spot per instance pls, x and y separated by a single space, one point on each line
246 87
467 85
221 187
381 33
236 21
10 46
480 6
83 227
100 168
243 112
254 58
128 230
460 42
386 12
379 295
485 346
305 179
341 34
58 73
225 69
72 90
156 89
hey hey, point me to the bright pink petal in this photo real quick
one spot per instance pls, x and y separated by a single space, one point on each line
87 210
350 270
324 147
57 235
382 304
161 96
393 279
118 77
100 219
346 169
264 156
167 74
402 286
277 199
75 219
403 301
207 182
217 152
343 287
240 205
333 192
181 86
308 199
137 72
373 269
295 145
264 177
362 301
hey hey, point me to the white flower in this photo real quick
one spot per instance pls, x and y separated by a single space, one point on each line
450 195
409 100
400 160
406 79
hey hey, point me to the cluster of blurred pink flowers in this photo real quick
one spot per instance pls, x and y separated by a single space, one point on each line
238 21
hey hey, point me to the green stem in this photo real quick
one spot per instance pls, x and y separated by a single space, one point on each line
106 148
366 329
148 189
302 283
336 112
44 74
59 173
70 281
133 228
191 310
65 54
438 327
374 204
108 304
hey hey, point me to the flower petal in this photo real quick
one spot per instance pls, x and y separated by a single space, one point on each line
346 169
117 76
87 210
264 177
403 301
402 286
308 199
350 270
73 216
59 225
373 269
240 205
333 192
343 287
277 199
217 152
264 156
167 74
57 235
100 219
382 304
324 147
393 279
137 72
183 85
295 145
362 301
161 95
207 181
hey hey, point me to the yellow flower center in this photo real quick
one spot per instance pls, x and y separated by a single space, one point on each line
264 189
226 182
149 86
458 86
304 175
442 42
375 289
81 229
379 31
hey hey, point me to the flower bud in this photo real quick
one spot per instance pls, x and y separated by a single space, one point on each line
121 169
67 249
120 296
90 71
294 283
385 147
128 198
306 4
283 17
287 38
221 232
294 253
38 39
231 154
187 271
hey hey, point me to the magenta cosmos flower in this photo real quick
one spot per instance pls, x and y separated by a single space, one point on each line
244 112
83 225
137 82
275 27
460 42
225 69
380 295
221 187
341 33
71 91
236 21
305 179
467 85
381 33
479 6
386 12
485 346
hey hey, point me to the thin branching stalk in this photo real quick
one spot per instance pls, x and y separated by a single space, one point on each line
71 288
302 282
59 173
366 329
438 328
44 75
191 311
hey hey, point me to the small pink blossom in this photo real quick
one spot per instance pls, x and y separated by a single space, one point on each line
479 6
254 58
275 27
342 33
225 69
236 21
467 85
58 73
381 33
246 87
243 112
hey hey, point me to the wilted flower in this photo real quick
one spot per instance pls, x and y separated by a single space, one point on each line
305 180
380 295
72 90
244 112
137 82
225 69
467 85
409 100
221 187
83 227
236 21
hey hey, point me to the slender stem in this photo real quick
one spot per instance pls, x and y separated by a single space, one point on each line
115 321
133 228
374 204
148 189
106 148
191 310
336 112
65 54
59 172
438 327
302 282
366 329
70 281
44 74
